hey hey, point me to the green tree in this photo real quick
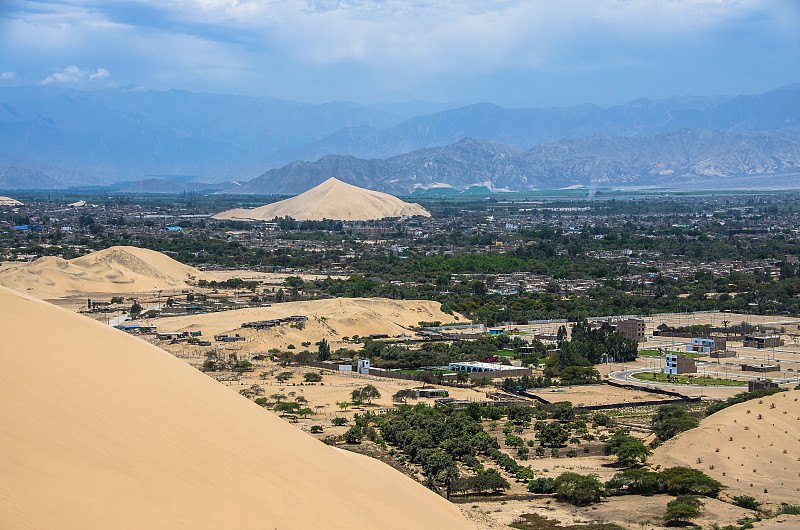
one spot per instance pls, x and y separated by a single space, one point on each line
353 435
323 350
682 509
553 434
687 481
576 489
403 395
670 420
312 377
627 449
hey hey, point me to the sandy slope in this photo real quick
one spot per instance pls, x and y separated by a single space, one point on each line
8 201
763 452
113 270
333 199
101 430
331 319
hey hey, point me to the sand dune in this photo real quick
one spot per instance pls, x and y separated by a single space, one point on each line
8 201
113 270
101 430
333 199
739 449
330 319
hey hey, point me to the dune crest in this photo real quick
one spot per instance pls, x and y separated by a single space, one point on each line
8 201
118 269
102 430
333 199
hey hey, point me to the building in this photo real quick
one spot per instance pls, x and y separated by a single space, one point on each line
761 340
477 367
631 328
429 392
760 385
363 366
703 345
722 354
761 368
679 364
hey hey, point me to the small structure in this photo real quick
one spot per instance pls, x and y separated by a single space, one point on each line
631 328
760 385
676 364
496 331
704 345
722 354
761 340
761 368
363 366
428 392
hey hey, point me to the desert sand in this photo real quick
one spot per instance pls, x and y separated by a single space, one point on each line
752 448
101 430
333 199
8 201
331 319
113 270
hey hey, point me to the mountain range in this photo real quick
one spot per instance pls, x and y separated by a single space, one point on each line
56 138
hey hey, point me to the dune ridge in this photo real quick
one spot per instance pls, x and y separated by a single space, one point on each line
333 199
102 430
8 201
756 442
120 269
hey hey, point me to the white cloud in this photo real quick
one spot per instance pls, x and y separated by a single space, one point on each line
72 75
5 76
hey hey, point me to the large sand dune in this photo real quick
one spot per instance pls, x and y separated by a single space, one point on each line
330 319
101 430
8 201
749 443
113 270
333 199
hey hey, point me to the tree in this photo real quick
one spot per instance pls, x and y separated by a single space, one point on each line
136 308
449 477
682 509
287 407
564 411
323 350
627 449
312 377
636 482
368 393
284 376
686 481
553 434
670 420
353 435
344 404
462 377
576 489
403 395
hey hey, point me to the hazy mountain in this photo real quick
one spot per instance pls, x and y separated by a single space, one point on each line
123 134
685 157
525 128
19 172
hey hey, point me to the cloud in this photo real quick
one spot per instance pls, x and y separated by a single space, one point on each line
72 75
6 76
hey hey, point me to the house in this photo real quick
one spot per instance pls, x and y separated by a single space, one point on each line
679 364
705 345
761 340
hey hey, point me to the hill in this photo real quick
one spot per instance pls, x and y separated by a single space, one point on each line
328 319
685 158
8 201
751 448
102 430
333 199
113 270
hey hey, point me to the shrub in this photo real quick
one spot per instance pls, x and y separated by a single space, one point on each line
353 435
312 377
576 489
670 420
601 418
686 481
635 482
627 449
682 509
747 502
316 429
563 411
541 485
789 509
339 421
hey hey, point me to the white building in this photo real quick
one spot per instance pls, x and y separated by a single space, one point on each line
475 366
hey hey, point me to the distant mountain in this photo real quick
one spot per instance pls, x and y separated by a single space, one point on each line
170 187
526 128
688 157
129 135
19 172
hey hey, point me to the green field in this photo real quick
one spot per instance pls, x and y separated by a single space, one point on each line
687 380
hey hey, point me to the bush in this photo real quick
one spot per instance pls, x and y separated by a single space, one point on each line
682 508
312 377
353 435
635 482
339 421
789 509
686 481
563 411
670 420
541 485
627 449
601 418
747 502
580 490
315 429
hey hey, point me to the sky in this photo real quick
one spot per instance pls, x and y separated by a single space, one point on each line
516 53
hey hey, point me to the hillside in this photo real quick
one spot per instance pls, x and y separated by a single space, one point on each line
333 199
685 158
328 319
101 430
751 448
113 270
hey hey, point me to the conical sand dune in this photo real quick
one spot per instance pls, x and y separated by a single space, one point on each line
113 270
333 199
102 430
8 201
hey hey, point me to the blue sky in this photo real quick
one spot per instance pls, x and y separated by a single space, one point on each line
531 53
